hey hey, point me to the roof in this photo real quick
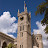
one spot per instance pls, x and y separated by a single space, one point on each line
6 36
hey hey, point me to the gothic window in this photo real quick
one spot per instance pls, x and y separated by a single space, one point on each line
20 28
20 46
23 27
28 26
4 45
22 34
37 38
16 45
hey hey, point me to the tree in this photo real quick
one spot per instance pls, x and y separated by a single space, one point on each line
11 46
43 9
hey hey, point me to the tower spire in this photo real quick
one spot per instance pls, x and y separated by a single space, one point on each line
25 6
18 11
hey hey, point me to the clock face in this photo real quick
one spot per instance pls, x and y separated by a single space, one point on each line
21 18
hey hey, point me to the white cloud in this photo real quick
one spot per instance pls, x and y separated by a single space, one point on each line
40 30
12 36
7 23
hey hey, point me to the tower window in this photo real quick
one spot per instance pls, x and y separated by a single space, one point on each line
20 46
28 26
20 28
22 34
37 38
23 27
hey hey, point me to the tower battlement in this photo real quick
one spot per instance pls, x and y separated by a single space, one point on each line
24 31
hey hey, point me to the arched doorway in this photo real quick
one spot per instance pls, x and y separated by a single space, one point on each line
4 45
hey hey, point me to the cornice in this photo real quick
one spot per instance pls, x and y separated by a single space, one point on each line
6 36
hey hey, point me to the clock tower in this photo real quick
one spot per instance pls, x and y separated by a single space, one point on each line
24 39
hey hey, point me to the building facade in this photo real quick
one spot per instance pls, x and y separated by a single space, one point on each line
24 37
5 40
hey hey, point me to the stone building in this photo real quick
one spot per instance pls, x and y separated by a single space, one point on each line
5 40
24 37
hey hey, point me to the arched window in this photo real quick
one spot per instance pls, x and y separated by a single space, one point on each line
28 26
20 46
22 34
16 45
4 45
20 28
23 27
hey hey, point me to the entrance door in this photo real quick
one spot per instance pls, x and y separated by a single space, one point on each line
4 45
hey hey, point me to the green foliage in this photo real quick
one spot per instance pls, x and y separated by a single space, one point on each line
43 9
46 29
11 46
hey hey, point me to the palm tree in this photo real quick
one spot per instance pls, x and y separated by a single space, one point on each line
43 9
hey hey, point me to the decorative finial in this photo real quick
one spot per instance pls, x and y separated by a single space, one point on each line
24 5
30 14
18 11
24 1
26 9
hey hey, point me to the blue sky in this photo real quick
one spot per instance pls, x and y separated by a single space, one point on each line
13 5
9 19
